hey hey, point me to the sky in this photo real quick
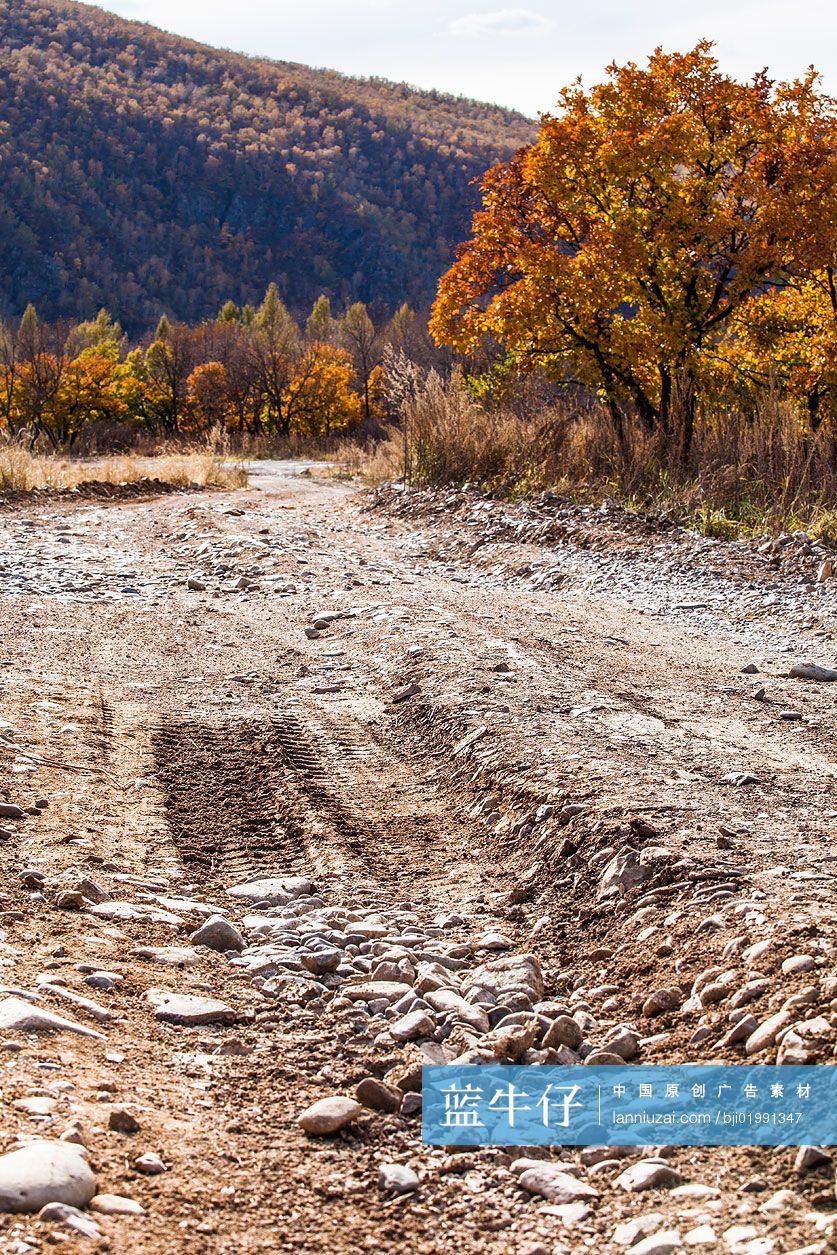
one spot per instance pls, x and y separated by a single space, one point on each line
514 56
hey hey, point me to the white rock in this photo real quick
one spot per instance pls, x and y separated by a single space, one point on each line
397 1178
632 1230
662 1243
149 1164
71 1218
17 1015
116 1205
703 1235
170 956
45 1172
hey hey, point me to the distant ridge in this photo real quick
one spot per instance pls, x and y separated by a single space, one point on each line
149 173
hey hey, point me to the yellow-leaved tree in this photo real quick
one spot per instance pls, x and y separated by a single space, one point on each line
618 248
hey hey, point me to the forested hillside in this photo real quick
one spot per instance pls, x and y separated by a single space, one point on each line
148 173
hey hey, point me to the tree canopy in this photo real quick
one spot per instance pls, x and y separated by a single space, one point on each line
632 242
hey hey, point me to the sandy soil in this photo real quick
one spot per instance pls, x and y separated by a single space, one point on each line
578 695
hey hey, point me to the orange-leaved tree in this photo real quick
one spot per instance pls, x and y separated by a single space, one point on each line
617 248
323 402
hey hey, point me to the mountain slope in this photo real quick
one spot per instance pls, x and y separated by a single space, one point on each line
145 172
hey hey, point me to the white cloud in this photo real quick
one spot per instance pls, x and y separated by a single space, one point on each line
501 22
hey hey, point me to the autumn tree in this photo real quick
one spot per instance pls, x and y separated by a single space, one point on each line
619 247
207 397
323 402
359 337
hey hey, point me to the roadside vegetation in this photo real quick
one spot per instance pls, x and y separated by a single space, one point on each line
646 310
24 471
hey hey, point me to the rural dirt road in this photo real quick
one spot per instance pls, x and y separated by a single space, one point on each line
581 813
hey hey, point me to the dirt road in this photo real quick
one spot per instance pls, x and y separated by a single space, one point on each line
509 736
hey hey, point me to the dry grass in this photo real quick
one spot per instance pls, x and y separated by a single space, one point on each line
23 471
753 475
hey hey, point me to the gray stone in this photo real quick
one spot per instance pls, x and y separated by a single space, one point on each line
319 962
623 872
648 1174
555 1184
414 1024
189 1010
329 1115
563 1031
766 1034
217 933
369 991
812 671
45 1172
662 1243
8 810
277 890
397 1178
808 1157
17 1015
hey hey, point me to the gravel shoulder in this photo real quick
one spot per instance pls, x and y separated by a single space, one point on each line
553 765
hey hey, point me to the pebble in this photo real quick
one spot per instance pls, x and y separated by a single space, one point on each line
217 933
319 962
798 963
766 1033
812 671
70 1218
122 1121
45 1172
648 1174
149 1164
116 1205
661 1000
329 1115
563 1031
377 1095
631 1231
277 890
555 1185
662 1243
396 1178
414 1024
808 1157
189 1010
169 956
